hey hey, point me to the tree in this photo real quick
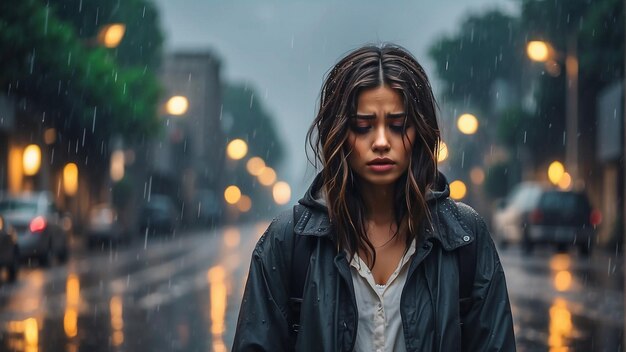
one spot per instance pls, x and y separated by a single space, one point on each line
252 123
85 93
486 48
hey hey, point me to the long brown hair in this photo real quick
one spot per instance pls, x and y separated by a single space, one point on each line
369 67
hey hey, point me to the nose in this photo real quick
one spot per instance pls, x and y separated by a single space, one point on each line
381 140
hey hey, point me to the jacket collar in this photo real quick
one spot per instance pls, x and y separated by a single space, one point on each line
447 227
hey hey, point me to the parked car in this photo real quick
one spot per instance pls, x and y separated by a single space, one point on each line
103 226
535 213
39 226
158 215
9 251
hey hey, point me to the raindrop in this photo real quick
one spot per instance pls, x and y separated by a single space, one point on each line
525 132
32 61
69 58
251 100
143 14
45 26
93 124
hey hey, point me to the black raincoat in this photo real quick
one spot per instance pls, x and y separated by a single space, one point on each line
429 301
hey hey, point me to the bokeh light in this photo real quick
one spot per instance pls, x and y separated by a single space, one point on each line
457 189
467 124
237 149
232 194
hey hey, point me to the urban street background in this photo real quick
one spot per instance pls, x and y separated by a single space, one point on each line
145 146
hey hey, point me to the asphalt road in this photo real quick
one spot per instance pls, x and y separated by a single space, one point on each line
182 293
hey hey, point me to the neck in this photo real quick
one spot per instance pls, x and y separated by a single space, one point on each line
379 203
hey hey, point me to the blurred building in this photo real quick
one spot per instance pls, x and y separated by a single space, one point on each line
186 162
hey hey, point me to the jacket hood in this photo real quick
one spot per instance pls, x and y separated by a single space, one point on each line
447 225
314 197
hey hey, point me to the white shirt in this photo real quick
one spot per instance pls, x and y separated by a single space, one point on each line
380 323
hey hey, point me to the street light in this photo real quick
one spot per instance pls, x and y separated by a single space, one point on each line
543 52
267 177
467 124
31 160
177 105
255 165
457 190
70 179
111 35
232 194
237 149
555 172
281 192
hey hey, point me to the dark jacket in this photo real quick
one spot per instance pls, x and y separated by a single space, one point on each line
430 297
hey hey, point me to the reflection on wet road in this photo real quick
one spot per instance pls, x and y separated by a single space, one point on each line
183 294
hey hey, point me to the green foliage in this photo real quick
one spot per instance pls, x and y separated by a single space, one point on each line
465 62
44 62
141 45
252 123
486 47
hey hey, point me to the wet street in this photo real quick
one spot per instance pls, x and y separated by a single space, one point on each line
182 293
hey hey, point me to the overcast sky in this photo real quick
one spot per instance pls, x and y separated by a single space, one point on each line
284 48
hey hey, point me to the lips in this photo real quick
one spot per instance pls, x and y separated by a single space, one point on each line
381 161
381 165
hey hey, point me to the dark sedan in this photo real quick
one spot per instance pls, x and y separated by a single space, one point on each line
39 226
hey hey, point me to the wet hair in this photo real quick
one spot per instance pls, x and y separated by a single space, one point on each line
368 67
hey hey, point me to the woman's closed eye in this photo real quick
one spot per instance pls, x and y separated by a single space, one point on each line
364 127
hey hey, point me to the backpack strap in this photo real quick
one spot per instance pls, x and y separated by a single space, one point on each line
300 260
467 258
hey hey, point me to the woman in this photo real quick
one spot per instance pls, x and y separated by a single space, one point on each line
383 271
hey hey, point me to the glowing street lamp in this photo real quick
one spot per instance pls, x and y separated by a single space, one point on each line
177 105
467 124
281 193
538 50
267 177
237 149
232 194
70 179
255 165
555 172
565 182
457 190
117 165
111 35
244 204
31 159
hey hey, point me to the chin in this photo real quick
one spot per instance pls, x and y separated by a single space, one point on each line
380 180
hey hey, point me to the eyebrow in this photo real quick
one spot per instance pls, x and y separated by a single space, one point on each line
373 116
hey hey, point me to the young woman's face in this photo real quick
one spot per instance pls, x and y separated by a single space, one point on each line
381 143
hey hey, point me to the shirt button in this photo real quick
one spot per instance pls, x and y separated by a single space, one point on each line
466 238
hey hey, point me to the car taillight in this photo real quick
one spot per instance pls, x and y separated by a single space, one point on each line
536 216
595 218
38 224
